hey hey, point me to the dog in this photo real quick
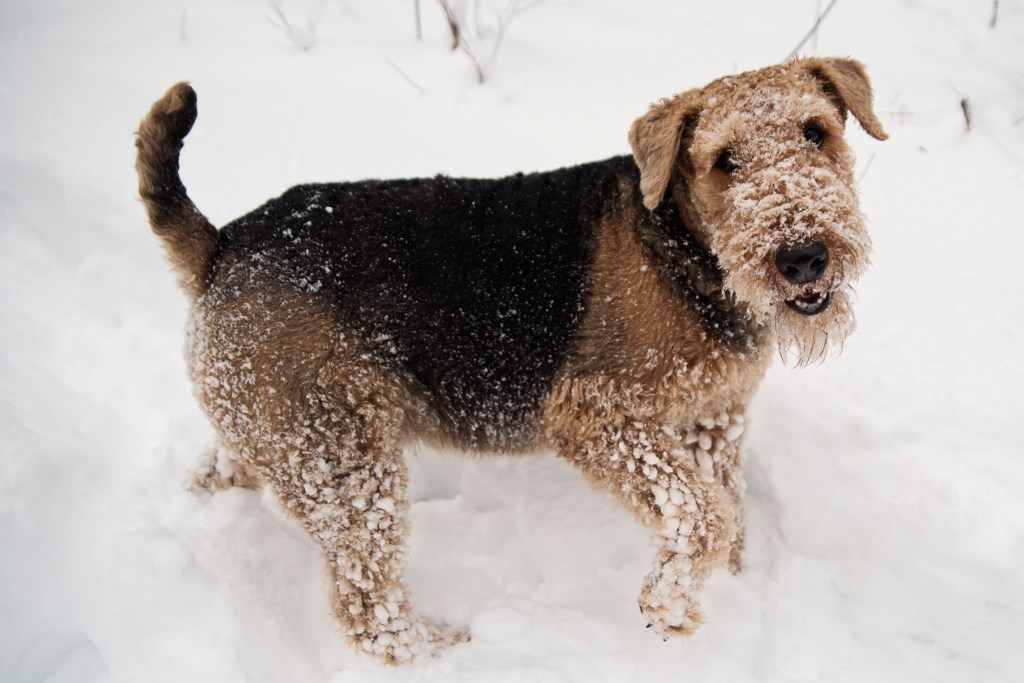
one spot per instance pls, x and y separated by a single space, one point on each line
620 313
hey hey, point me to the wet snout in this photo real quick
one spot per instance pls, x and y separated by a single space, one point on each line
804 264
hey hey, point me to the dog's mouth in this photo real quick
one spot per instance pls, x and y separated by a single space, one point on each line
810 302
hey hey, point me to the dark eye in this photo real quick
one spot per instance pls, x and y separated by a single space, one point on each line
814 135
725 164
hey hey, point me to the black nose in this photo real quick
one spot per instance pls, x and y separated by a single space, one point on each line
803 264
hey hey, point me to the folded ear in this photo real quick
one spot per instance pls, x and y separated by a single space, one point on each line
655 138
846 82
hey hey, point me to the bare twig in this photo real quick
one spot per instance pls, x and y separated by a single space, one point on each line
305 40
813 31
478 28
817 13
965 106
863 173
503 22
474 35
995 12
419 25
407 77
476 63
453 23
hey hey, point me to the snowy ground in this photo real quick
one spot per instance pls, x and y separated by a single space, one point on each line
886 521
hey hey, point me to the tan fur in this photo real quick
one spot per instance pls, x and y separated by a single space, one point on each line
292 396
785 192
655 139
189 239
650 407
652 410
650 403
852 90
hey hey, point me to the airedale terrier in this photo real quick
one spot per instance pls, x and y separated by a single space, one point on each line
620 312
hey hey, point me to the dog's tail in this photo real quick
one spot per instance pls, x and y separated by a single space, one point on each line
190 239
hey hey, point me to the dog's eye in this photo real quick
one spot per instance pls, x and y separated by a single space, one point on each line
725 163
814 135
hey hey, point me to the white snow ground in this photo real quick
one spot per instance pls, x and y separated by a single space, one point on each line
885 509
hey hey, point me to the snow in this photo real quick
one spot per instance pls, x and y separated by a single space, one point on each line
885 525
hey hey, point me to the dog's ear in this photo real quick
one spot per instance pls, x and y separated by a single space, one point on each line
846 82
655 138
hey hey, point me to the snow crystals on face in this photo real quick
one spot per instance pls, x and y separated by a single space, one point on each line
785 192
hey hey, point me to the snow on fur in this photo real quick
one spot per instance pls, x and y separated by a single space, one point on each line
884 514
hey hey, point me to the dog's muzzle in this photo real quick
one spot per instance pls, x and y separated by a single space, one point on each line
810 302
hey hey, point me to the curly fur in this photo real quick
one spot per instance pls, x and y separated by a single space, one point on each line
620 313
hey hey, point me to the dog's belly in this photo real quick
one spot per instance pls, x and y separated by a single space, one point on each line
473 290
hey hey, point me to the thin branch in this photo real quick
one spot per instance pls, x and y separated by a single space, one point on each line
965 104
470 32
503 22
995 12
453 23
458 40
303 41
965 107
863 173
817 13
813 31
408 78
476 63
419 25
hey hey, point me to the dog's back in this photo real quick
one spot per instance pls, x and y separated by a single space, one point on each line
470 289
468 292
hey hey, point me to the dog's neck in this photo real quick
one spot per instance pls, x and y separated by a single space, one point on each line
684 260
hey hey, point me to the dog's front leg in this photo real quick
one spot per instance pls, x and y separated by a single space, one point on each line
693 510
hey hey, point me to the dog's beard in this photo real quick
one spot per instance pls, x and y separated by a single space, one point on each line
750 272
809 339
802 339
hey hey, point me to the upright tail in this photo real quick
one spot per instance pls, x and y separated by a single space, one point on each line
190 239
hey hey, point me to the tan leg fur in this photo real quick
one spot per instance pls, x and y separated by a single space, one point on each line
652 411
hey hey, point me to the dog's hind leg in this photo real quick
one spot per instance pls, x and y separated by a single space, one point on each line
336 464
322 421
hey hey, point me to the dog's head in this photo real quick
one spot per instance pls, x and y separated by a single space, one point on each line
757 166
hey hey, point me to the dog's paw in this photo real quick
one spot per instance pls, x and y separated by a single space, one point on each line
667 600
407 642
735 562
218 470
440 636
680 618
